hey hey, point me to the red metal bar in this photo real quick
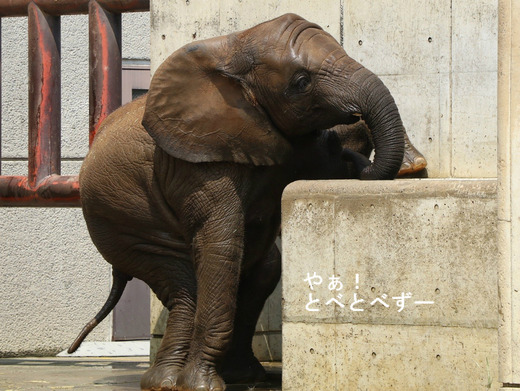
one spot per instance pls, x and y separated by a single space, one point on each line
44 95
105 65
54 190
43 187
69 7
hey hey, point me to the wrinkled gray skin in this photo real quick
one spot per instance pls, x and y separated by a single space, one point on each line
190 202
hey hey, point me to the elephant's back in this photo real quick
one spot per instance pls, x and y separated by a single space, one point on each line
120 159
121 133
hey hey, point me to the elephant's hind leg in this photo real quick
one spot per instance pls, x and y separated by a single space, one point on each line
174 283
240 364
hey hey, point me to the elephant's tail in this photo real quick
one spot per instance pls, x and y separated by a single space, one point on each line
118 286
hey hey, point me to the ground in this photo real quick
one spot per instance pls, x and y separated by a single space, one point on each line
93 374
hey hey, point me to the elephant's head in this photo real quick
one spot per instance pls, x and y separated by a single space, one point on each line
244 96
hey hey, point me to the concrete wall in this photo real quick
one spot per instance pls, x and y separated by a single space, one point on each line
431 240
439 60
52 280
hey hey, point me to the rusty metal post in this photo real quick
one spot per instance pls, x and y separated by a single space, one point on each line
44 95
70 7
105 65
44 186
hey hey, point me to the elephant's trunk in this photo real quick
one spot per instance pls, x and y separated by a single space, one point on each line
382 117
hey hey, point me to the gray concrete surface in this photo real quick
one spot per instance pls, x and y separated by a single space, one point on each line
55 373
390 285
99 374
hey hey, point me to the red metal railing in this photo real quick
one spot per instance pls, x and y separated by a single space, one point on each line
44 186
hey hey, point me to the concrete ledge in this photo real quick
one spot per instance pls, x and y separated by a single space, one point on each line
408 292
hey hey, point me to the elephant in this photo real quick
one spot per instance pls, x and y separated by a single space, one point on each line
182 187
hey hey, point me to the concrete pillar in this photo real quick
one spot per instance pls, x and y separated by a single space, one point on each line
509 192
390 285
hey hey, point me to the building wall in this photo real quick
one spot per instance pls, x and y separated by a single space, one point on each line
52 280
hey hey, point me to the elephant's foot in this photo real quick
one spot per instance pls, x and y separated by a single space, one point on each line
413 160
243 370
199 377
160 378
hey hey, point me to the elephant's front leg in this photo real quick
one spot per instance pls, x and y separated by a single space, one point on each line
217 252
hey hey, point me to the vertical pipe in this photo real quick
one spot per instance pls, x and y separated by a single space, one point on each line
105 65
44 94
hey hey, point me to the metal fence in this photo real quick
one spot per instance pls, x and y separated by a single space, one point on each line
43 185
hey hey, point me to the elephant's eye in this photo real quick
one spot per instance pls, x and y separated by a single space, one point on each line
302 82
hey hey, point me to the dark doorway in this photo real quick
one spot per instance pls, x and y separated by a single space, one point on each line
131 319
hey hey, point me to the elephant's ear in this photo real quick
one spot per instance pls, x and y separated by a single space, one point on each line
198 111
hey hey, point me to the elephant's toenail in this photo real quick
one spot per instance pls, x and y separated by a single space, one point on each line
168 383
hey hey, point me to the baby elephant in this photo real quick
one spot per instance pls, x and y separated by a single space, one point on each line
182 187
